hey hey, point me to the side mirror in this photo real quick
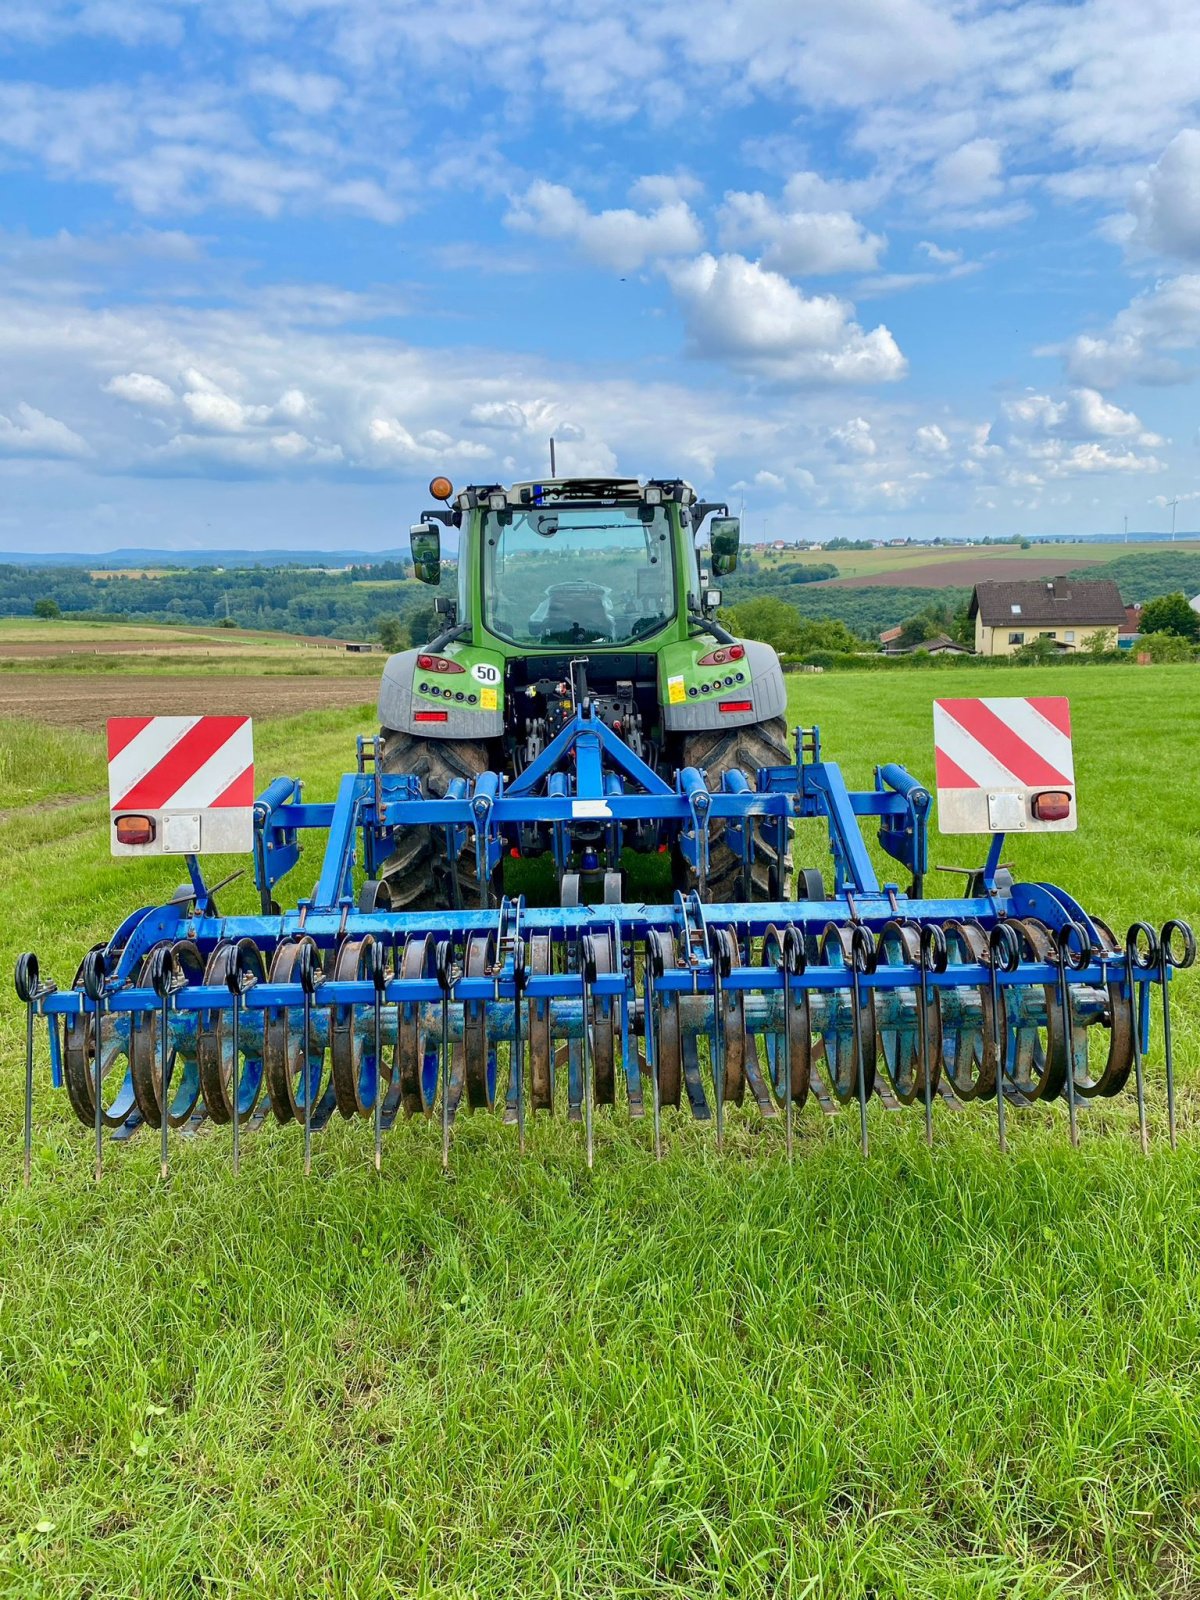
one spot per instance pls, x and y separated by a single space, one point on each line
426 541
726 536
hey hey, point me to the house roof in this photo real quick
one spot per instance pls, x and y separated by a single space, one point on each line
1089 602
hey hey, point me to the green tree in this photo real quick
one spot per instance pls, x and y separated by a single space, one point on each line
49 609
1164 647
393 635
1170 614
772 621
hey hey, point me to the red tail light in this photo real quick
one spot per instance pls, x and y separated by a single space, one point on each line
737 705
438 664
135 830
1052 805
430 716
718 658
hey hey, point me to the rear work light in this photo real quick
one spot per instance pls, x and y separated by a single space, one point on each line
1052 805
430 716
717 658
135 830
437 664
736 705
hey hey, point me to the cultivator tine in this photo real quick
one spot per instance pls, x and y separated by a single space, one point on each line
1073 953
517 1055
1170 959
30 991
1004 954
93 979
161 977
931 949
379 983
587 974
652 1051
445 978
862 961
1133 963
309 976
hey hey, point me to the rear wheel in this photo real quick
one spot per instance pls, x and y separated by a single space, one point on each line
720 750
418 873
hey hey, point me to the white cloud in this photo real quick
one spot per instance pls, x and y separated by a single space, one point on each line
621 240
853 440
799 243
971 173
939 256
141 389
26 431
313 93
931 440
737 311
1143 343
1165 204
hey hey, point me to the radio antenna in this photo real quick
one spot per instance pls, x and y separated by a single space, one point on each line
553 472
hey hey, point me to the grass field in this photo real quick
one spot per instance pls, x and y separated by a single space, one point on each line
940 1374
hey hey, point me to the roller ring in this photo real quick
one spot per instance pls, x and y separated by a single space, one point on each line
1073 946
162 971
1004 947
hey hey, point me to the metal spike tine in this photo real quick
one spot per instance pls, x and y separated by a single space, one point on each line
164 1075
1168 1047
1000 1047
648 1002
856 1013
30 1006
587 1054
306 1047
1068 1020
517 1049
923 1040
236 1087
98 1040
445 956
1139 1073
378 973
789 1108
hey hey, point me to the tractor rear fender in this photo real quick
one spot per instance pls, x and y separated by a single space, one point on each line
766 693
398 704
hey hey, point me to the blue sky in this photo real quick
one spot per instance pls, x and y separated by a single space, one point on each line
899 266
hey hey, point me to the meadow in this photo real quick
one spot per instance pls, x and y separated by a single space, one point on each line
936 1373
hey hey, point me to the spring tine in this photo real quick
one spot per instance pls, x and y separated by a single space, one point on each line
30 1006
718 1049
1138 1071
1068 1019
93 980
164 1078
652 1055
587 972
517 1057
306 1046
445 978
789 1110
379 978
856 1012
236 1086
1168 1048
923 1040
1001 1052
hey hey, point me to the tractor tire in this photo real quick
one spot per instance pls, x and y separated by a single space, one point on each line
417 873
717 751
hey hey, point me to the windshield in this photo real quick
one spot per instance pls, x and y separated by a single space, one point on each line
569 576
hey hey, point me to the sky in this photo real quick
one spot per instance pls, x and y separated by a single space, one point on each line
889 268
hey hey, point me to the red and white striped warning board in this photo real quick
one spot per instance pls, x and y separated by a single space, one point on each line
180 785
1004 765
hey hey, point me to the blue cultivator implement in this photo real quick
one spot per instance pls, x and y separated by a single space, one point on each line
1009 993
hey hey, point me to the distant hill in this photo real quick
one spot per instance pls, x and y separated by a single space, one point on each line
139 560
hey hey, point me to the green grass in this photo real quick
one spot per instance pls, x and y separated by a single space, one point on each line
937 1374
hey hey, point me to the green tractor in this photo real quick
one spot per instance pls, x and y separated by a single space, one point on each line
572 587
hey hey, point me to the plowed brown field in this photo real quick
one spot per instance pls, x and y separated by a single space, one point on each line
86 702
